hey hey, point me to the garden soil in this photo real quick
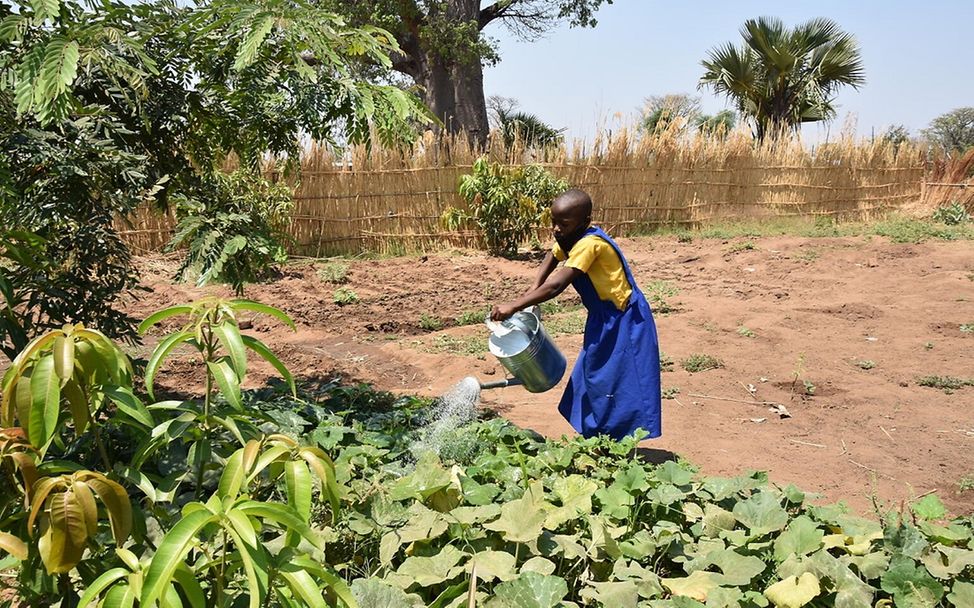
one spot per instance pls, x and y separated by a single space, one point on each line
795 321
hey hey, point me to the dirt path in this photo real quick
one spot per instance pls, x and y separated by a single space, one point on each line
788 317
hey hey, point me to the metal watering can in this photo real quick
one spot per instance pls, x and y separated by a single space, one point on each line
526 351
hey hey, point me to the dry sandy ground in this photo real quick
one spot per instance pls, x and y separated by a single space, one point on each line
815 307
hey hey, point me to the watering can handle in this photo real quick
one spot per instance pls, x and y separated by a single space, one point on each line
502 328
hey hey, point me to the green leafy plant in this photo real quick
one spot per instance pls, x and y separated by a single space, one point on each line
953 214
344 296
430 322
967 328
865 364
743 246
507 204
747 333
659 293
947 384
472 317
333 272
236 234
700 363
670 392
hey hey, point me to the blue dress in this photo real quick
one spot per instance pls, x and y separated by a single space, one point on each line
614 388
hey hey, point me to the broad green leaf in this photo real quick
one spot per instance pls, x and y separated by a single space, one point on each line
761 513
929 507
801 537
116 502
161 315
265 353
739 570
622 594
961 594
229 336
297 482
697 586
473 515
947 563
794 592
263 309
284 516
63 353
647 582
673 473
77 405
529 590
423 524
521 520
174 547
376 593
45 403
227 382
716 519
910 585
233 476
94 589
429 478
492 565
305 588
871 565
539 564
575 494
615 501
160 353
130 405
428 571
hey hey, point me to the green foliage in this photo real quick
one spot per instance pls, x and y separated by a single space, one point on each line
571 323
952 131
108 105
742 246
781 77
659 113
658 293
333 272
320 501
344 296
527 130
472 317
507 204
947 384
235 234
430 322
23 251
719 124
700 363
747 333
865 364
460 345
967 328
952 214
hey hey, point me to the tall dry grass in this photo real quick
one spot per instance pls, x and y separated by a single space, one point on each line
390 201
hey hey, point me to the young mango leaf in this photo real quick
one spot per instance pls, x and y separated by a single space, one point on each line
250 305
229 336
261 349
162 315
13 545
160 353
45 406
227 381
173 548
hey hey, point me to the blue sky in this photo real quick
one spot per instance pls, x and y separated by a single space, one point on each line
917 56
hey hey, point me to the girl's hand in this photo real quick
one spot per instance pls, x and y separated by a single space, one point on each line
501 312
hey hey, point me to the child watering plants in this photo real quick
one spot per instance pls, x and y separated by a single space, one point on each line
614 387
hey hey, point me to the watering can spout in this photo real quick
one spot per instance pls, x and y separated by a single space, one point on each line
500 383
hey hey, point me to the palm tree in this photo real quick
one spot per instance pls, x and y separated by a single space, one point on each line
781 77
527 129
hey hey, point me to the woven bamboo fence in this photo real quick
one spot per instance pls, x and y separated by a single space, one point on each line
391 202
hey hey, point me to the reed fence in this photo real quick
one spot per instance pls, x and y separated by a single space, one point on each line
391 202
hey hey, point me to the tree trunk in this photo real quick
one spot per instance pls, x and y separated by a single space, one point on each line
453 89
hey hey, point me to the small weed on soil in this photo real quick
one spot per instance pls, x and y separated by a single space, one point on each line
566 324
460 345
947 384
659 293
865 364
747 333
738 247
344 296
701 363
471 317
333 272
430 323
665 362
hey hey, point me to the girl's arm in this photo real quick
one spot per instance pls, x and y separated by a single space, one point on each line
548 266
554 284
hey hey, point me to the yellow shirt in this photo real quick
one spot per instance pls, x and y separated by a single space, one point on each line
596 258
